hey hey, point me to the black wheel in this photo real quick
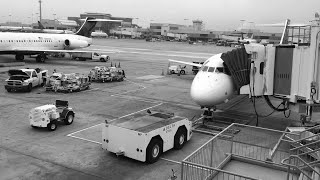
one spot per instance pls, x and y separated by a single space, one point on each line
19 57
52 126
102 60
180 138
172 72
154 150
29 88
182 72
69 119
9 90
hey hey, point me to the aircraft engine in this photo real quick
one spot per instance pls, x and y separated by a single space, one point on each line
74 43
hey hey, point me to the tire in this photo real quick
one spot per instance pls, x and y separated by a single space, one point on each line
52 126
102 60
29 88
180 138
154 150
182 72
9 90
69 119
172 71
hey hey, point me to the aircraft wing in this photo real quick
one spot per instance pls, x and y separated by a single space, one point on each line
187 63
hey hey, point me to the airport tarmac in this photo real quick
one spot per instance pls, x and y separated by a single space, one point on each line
74 152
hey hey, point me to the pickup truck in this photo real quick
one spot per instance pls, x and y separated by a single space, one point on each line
82 56
25 79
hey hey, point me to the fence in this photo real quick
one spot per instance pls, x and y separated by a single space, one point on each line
241 140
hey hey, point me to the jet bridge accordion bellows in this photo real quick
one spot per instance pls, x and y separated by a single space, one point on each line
238 63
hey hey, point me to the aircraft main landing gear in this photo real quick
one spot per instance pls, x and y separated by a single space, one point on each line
19 57
41 58
208 114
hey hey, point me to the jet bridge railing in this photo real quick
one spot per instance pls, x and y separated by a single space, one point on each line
236 140
297 163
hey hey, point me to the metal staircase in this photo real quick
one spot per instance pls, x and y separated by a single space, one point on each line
304 152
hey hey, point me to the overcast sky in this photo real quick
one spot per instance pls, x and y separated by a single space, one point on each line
216 14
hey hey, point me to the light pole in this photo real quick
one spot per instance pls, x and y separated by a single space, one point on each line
10 19
54 19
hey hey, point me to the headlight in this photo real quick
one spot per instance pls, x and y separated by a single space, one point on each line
25 83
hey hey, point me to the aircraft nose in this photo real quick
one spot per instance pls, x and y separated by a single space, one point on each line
210 89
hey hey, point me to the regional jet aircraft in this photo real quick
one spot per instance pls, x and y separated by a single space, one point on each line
213 84
41 44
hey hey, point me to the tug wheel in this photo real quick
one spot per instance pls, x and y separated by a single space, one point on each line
52 126
69 119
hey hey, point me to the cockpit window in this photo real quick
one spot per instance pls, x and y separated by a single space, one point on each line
220 69
205 68
211 69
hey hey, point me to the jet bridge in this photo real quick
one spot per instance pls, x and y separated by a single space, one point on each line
289 70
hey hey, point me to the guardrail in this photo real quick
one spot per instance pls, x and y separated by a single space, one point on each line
237 139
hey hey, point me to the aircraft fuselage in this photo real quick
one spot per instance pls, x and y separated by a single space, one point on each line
10 41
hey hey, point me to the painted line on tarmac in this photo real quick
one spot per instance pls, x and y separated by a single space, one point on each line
158 54
203 53
84 139
71 134
170 160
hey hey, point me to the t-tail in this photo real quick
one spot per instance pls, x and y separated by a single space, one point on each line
40 25
87 27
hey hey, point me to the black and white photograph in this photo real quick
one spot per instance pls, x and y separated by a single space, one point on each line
160 90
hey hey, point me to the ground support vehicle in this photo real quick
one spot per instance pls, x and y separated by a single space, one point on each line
177 69
195 69
73 82
145 137
25 79
106 74
49 115
82 56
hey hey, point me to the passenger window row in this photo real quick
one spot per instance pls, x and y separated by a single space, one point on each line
2 41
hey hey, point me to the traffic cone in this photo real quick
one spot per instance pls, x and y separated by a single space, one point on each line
111 64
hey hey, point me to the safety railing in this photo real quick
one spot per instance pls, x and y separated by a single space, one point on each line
192 171
298 163
244 141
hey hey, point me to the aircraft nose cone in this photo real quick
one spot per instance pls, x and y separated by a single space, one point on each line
209 89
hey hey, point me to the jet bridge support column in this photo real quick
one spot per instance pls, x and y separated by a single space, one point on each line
314 68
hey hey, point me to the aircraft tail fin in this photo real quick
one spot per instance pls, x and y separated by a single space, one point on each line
40 25
87 27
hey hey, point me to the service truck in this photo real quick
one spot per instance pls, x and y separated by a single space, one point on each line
25 79
144 137
82 56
